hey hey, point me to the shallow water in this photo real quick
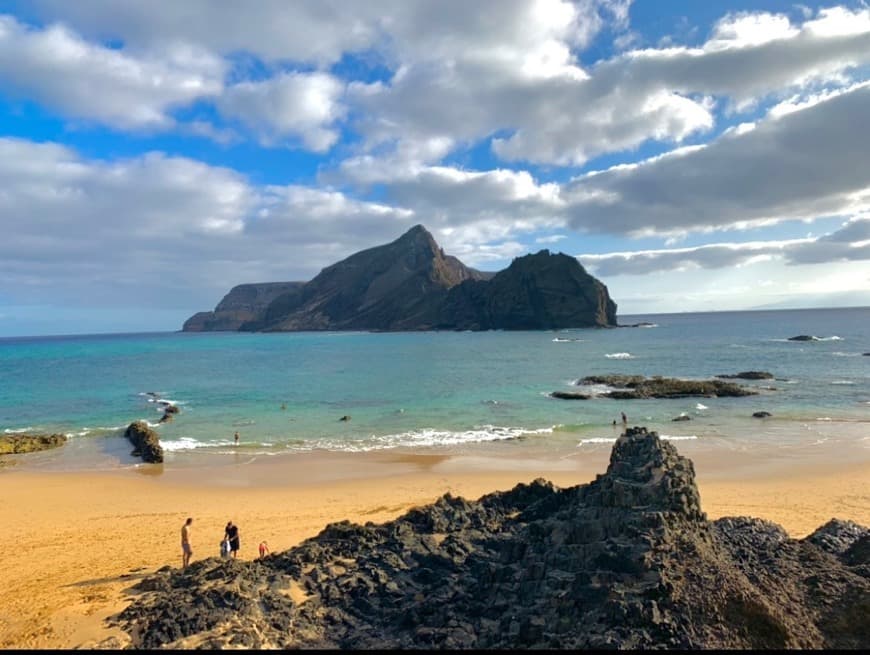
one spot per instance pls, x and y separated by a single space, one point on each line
454 392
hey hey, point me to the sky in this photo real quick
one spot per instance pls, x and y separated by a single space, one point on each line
694 156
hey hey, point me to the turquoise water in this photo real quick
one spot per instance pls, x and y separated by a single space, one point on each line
435 390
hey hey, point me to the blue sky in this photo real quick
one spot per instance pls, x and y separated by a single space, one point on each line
694 156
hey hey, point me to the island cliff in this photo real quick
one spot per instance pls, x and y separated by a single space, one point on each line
410 284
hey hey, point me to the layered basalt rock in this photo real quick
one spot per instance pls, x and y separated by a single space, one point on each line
411 284
146 442
633 387
627 561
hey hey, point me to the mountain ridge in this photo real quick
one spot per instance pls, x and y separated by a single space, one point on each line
411 284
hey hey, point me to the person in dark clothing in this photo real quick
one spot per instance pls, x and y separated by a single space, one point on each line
232 533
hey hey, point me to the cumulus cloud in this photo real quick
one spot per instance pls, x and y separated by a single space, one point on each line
301 105
851 242
57 67
163 230
802 165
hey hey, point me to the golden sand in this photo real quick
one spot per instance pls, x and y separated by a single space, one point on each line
76 542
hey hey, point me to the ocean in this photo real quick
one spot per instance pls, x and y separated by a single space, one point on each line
474 393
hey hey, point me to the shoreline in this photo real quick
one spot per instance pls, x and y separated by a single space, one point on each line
86 537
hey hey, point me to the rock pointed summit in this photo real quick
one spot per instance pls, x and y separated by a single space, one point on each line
411 284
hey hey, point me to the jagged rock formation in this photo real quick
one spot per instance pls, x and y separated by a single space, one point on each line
243 304
804 337
146 442
633 387
410 284
14 444
626 561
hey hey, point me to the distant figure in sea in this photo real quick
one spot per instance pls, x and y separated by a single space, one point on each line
624 419
344 418
186 550
264 549
236 438
232 533
614 422
283 405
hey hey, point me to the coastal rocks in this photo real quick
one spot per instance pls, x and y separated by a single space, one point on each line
748 375
146 442
804 337
570 395
14 444
631 387
169 411
682 417
627 561
761 414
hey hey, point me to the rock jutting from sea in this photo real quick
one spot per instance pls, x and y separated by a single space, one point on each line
627 561
411 284
146 442
633 387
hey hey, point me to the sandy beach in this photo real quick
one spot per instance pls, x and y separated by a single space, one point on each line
77 541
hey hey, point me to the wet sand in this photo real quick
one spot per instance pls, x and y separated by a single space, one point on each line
76 541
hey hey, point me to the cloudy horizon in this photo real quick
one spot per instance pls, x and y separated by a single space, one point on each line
692 156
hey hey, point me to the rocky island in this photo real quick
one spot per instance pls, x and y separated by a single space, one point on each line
411 284
627 561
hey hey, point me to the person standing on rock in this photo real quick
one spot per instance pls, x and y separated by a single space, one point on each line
186 550
232 533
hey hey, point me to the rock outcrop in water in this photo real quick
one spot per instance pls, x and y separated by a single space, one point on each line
410 284
633 387
627 561
14 444
146 442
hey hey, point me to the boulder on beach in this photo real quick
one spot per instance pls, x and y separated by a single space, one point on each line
627 561
146 442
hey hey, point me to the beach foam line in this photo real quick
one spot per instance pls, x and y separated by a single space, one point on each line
842 382
666 437
619 356
426 437
29 428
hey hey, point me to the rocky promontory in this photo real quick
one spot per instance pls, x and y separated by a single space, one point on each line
627 561
411 284
146 442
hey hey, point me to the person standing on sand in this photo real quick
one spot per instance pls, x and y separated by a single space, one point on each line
232 533
624 419
186 550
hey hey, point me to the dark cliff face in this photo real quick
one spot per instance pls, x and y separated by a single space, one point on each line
627 561
410 284
244 303
536 292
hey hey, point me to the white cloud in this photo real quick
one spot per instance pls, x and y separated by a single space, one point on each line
302 105
802 165
84 80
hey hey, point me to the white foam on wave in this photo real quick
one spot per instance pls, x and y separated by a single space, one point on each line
619 356
699 406
18 430
842 382
560 340
831 338
81 433
184 443
840 353
596 440
678 437
431 437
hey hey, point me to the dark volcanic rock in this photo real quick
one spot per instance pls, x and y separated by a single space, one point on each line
28 443
570 395
633 387
146 442
410 284
682 417
169 412
803 337
243 304
760 414
627 561
747 375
